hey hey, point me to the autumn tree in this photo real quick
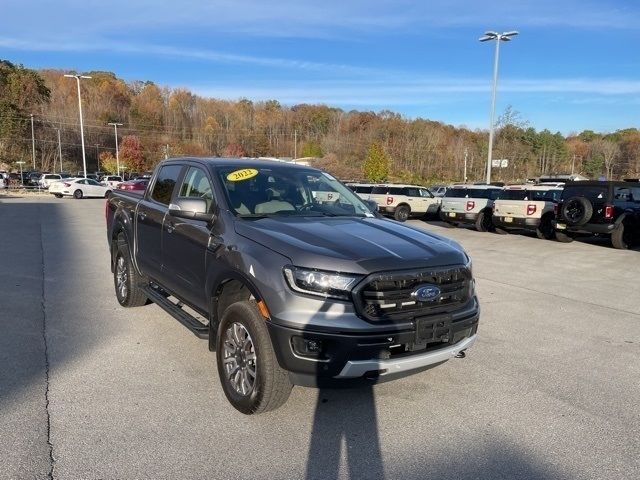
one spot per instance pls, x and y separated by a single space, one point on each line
234 150
376 164
131 153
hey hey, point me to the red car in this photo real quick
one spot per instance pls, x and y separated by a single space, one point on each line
137 186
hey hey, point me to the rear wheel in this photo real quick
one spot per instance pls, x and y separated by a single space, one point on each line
563 237
545 230
621 237
58 195
77 194
251 377
126 280
484 222
402 213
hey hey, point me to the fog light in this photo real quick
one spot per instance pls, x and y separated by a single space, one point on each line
307 347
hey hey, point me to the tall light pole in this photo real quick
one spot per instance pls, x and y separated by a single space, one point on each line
33 143
59 150
498 37
115 130
84 158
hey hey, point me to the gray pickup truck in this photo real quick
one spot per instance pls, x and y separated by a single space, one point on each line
289 288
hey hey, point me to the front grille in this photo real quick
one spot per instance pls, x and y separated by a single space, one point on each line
388 296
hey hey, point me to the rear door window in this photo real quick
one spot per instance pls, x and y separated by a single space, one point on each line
411 192
166 181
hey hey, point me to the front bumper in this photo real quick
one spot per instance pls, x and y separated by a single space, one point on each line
517 223
458 217
352 358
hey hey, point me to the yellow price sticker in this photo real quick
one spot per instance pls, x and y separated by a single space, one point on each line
244 174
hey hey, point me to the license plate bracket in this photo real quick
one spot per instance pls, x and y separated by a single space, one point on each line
436 328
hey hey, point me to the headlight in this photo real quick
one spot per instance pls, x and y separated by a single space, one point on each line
316 282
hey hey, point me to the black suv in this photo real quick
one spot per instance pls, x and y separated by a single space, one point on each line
600 208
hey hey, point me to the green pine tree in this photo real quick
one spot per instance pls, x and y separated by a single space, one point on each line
376 165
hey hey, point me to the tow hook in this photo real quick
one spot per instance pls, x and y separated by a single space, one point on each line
460 354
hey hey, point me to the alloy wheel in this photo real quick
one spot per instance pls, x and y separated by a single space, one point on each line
239 359
121 277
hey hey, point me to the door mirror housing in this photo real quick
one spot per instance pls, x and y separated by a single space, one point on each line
372 204
191 208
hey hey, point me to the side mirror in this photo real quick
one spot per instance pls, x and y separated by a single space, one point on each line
191 208
372 204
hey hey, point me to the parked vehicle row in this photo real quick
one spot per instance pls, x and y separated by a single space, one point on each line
553 210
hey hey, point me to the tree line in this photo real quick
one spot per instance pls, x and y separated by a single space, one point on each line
161 121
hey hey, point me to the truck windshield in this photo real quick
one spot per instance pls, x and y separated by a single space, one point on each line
288 191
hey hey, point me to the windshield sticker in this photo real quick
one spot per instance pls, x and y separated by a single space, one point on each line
243 174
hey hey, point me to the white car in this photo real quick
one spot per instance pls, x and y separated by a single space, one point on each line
112 181
79 188
46 179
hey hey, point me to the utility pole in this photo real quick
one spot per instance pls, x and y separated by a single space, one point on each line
33 143
115 129
98 156
295 145
84 158
465 165
166 151
498 37
59 150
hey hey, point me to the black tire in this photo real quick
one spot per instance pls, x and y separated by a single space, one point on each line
402 213
563 237
501 231
77 194
484 223
270 386
621 237
545 230
57 195
577 211
126 280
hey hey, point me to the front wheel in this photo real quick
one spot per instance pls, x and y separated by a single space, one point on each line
402 213
77 194
251 377
58 195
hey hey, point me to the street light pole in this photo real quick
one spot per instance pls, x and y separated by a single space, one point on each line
33 143
115 129
498 37
84 158
60 150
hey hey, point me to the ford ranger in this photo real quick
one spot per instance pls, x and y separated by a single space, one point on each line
289 290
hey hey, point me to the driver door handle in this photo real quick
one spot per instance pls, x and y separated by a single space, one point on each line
170 227
142 215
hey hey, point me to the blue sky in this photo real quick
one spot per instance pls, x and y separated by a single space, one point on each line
575 64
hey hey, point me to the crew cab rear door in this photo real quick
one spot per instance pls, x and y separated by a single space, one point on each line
185 241
150 215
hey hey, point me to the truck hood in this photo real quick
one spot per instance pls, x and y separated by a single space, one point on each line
354 245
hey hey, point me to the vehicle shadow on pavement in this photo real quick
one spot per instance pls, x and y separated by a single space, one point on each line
345 418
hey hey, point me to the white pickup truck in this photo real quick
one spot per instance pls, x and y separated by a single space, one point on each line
469 204
527 207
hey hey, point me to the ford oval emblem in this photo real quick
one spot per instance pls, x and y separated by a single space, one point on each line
426 293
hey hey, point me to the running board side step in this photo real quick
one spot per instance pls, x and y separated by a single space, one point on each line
197 328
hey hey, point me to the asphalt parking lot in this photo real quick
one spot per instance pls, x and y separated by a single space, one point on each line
91 390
